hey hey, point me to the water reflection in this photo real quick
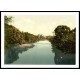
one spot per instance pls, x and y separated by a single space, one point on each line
40 54
12 54
63 58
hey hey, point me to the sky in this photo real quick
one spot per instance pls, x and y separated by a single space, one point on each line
42 24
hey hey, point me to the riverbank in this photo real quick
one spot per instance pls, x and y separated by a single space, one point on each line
40 53
12 53
26 45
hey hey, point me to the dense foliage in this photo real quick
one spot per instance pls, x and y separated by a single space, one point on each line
64 39
13 36
29 38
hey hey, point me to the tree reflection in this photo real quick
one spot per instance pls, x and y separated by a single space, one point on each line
63 58
12 54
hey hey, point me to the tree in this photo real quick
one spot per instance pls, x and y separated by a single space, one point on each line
61 31
64 39
7 20
12 35
29 38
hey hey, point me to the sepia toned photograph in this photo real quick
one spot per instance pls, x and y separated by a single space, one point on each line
39 39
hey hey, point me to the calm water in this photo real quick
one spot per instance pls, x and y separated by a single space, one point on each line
41 53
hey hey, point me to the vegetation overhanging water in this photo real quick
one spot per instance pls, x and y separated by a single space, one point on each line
62 45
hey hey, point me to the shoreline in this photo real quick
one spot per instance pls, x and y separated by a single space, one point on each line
26 45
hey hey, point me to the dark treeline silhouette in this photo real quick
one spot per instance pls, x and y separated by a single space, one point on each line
64 39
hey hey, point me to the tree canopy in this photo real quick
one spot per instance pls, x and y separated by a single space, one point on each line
7 20
15 36
64 38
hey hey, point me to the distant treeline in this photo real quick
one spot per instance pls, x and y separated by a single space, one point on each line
13 36
64 39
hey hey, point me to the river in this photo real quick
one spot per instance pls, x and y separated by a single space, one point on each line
41 53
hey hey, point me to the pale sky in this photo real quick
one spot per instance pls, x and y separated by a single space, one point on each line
42 24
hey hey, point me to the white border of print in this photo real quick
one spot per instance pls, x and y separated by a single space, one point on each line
39 66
